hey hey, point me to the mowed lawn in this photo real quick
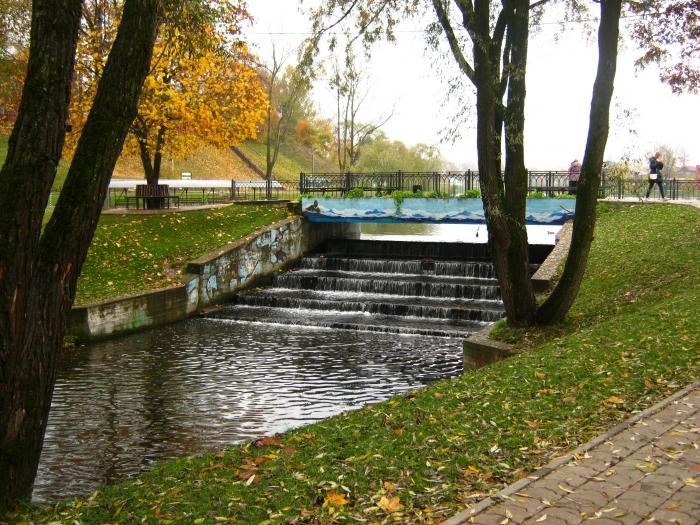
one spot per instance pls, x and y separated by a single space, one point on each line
132 253
631 340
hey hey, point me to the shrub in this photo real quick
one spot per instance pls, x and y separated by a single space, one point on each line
355 193
470 194
537 195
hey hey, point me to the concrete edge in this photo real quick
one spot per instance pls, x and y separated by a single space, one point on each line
480 350
543 277
504 494
155 291
195 266
78 326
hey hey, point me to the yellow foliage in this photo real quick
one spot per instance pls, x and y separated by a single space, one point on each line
211 96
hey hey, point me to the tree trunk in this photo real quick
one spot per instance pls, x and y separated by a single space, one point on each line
146 163
34 150
504 204
558 303
39 272
521 307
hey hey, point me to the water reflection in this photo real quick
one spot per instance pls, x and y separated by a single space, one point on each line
201 384
474 233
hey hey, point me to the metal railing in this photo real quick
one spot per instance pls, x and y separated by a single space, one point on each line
448 183
452 184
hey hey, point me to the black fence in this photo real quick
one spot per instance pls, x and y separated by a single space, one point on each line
551 183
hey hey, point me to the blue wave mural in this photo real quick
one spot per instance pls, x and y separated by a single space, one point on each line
455 211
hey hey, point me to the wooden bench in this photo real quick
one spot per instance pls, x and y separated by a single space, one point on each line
153 196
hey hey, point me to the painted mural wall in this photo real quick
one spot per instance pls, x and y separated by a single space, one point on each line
448 211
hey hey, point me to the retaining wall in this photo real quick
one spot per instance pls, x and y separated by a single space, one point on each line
208 280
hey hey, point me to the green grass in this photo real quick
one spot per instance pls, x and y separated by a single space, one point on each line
293 159
631 340
132 253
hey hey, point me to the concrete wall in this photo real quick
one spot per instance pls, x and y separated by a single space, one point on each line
209 279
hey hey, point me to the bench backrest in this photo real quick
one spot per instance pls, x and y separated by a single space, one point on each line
152 190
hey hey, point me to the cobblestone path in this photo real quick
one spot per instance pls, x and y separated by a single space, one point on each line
647 473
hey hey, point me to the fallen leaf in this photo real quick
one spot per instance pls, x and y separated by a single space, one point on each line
267 441
335 499
471 471
390 505
389 486
613 400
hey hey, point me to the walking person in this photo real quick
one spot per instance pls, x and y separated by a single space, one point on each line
655 167
574 174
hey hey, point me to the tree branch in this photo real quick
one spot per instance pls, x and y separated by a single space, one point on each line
452 39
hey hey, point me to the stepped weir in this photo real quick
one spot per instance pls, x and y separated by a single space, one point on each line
426 288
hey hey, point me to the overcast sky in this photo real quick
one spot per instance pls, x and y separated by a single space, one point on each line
561 70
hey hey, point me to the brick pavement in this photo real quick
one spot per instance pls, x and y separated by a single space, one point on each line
644 471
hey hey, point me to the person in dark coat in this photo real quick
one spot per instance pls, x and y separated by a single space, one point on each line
574 174
655 167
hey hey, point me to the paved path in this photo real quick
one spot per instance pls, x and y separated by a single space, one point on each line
691 202
646 470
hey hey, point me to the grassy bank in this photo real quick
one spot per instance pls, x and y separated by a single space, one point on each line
293 159
631 339
132 253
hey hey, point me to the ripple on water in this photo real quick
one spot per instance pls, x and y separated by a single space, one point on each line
201 384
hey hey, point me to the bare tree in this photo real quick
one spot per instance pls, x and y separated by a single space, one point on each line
287 91
350 134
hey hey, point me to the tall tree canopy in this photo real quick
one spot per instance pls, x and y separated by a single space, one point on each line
488 42
668 32
201 89
40 262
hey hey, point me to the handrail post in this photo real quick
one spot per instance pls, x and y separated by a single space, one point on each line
301 182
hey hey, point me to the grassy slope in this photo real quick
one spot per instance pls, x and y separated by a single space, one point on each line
134 253
206 162
212 163
293 159
449 444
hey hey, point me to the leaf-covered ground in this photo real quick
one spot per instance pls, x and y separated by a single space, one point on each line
631 340
132 253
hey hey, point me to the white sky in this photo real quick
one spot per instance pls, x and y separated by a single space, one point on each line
559 84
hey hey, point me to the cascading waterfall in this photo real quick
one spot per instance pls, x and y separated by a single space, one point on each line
385 288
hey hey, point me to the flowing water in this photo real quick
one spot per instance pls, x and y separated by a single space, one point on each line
355 324
119 405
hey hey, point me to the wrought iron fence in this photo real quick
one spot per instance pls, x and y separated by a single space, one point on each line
674 189
452 184
448 183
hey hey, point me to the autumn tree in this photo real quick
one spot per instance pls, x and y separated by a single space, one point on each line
14 47
199 91
40 261
315 133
